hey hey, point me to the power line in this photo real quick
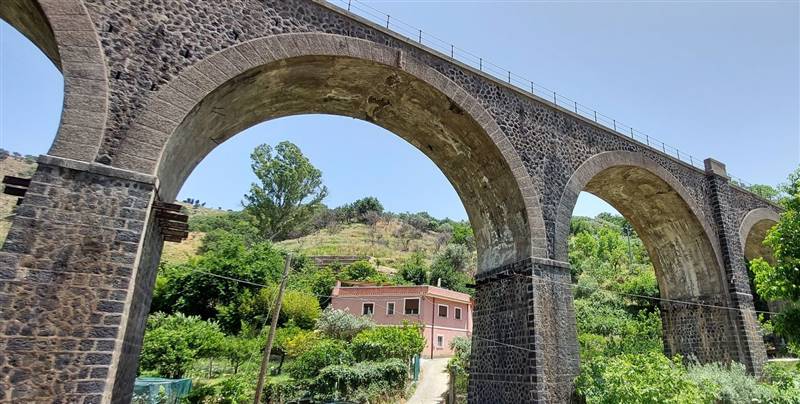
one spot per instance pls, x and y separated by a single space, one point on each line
540 280
661 299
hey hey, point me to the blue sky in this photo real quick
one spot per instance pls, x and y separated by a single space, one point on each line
715 79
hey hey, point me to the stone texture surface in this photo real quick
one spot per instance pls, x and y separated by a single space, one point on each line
152 86
67 273
524 337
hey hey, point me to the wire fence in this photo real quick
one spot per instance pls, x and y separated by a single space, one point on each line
447 49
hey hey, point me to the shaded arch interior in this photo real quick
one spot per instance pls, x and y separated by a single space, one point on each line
753 231
686 261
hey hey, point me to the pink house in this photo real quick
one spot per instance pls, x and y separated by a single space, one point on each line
445 314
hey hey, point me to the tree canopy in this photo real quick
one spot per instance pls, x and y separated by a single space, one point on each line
288 192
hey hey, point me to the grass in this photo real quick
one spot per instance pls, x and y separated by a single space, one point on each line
360 239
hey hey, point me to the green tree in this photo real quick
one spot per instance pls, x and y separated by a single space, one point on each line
781 281
173 342
765 191
238 349
456 256
414 270
288 192
339 324
203 285
463 235
380 343
360 271
324 353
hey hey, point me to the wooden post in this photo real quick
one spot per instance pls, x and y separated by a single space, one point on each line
276 309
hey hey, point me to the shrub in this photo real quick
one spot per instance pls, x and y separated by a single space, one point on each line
339 324
300 307
281 390
784 383
414 270
294 341
360 271
729 384
201 393
462 349
172 343
324 353
235 390
637 378
349 382
388 342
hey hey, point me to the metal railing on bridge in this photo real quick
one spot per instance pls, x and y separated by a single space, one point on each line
449 50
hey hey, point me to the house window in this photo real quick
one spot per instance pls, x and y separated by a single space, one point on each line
412 306
458 313
440 341
368 309
442 310
389 308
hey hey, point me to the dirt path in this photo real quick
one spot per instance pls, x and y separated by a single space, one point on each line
432 382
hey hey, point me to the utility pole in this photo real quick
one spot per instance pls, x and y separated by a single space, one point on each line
276 310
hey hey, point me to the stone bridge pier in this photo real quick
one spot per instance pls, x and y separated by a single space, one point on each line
152 87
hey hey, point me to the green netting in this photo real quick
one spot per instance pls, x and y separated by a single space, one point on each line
156 390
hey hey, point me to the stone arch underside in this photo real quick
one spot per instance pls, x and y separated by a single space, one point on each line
682 248
753 231
680 244
342 76
65 33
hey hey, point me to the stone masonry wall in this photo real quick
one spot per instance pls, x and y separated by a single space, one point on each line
65 279
751 350
524 346
697 332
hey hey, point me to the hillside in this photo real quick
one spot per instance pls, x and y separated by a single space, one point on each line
18 167
382 243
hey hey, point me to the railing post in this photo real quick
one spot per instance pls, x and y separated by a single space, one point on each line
615 125
420 36
632 134
480 63
452 51
387 20
532 89
576 107
647 138
348 4
509 77
595 116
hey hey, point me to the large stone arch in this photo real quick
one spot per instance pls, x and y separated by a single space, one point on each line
753 230
292 74
64 31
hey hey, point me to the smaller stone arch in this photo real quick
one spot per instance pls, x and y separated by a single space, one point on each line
606 160
64 31
753 230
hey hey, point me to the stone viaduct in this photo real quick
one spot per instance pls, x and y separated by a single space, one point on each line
151 87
